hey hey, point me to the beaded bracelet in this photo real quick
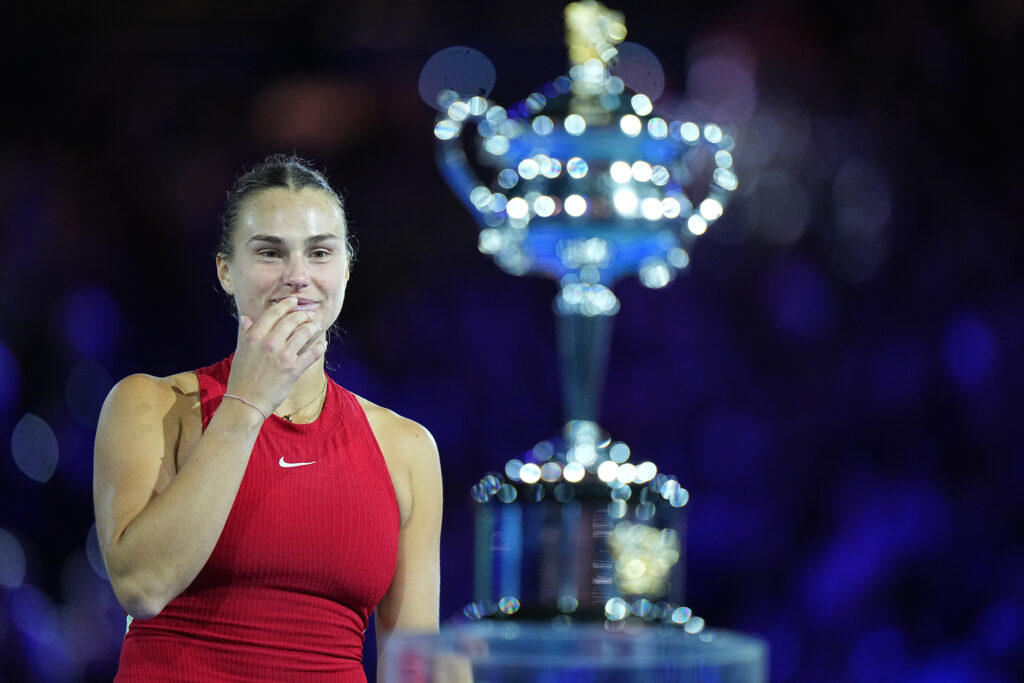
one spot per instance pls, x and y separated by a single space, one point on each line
248 403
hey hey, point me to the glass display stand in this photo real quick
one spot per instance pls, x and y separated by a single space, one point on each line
522 652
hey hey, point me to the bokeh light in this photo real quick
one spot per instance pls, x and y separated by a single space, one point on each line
34 448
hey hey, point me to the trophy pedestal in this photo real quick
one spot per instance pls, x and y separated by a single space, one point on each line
524 652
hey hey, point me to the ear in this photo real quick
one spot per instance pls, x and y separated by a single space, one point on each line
224 273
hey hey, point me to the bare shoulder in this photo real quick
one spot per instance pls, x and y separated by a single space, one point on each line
139 395
405 438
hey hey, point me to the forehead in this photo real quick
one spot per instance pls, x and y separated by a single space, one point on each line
283 212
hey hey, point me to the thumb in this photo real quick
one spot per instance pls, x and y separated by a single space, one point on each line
244 324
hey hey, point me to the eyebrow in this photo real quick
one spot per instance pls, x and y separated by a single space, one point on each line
310 241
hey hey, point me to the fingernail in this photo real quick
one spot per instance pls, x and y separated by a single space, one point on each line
293 299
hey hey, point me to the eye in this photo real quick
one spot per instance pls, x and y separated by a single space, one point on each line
320 254
268 254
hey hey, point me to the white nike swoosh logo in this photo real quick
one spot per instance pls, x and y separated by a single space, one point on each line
282 463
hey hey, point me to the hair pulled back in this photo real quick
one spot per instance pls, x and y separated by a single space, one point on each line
285 171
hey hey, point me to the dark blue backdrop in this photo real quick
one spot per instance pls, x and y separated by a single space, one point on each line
838 379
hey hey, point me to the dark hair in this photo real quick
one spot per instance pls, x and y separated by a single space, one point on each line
286 171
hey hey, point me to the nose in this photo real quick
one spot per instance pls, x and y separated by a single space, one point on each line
296 275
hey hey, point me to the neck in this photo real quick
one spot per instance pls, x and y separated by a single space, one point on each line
306 397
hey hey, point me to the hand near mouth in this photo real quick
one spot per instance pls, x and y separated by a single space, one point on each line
273 351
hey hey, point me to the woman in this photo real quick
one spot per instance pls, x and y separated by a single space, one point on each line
253 513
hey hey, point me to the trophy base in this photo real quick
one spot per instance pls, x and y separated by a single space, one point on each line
523 652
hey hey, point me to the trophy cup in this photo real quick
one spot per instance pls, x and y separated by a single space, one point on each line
586 184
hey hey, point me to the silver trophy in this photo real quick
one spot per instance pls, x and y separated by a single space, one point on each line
585 182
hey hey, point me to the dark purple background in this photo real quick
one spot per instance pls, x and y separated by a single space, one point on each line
838 379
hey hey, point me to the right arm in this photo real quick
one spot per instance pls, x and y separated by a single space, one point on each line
157 526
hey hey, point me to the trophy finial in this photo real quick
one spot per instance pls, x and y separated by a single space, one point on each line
592 31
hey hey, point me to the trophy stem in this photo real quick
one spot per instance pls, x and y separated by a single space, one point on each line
583 343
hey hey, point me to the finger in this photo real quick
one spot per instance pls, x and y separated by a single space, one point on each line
313 351
303 337
270 317
280 336
244 325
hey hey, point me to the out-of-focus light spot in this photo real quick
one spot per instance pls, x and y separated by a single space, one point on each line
621 172
544 206
616 609
459 69
535 102
619 452
626 473
660 175
530 473
625 202
34 614
641 171
576 167
697 225
630 125
517 207
496 145
694 625
512 469
34 448
670 207
726 179
678 258
607 471
574 472
712 133
490 241
657 128
9 378
645 472
542 125
783 205
91 320
639 69
93 554
723 159
12 561
969 350
681 615
711 209
458 111
1000 627
480 197
551 471
498 202
721 79
575 205
689 131
575 124
651 208
655 273
550 167
508 178
85 390
529 168
477 105
641 104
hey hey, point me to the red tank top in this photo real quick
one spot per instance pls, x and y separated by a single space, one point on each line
308 550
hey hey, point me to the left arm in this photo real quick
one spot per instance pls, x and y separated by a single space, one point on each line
412 601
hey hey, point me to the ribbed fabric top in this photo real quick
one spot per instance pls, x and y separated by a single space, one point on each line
308 550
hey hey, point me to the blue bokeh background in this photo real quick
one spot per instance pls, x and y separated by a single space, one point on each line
838 378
